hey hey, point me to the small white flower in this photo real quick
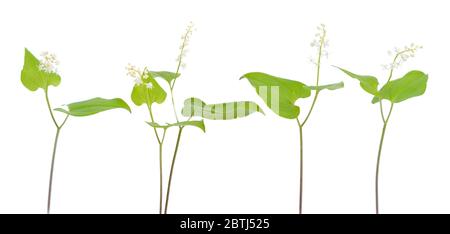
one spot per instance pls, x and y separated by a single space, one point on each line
138 81
402 55
185 39
149 85
320 43
133 71
48 62
311 60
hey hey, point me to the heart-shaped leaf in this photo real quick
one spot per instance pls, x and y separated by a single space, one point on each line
199 124
167 76
94 106
33 78
413 84
328 86
368 83
278 93
142 93
222 111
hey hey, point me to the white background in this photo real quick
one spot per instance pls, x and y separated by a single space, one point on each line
108 163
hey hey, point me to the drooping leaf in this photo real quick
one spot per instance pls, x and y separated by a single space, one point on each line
142 94
278 93
368 83
222 111
33 78
413 84
328 86
94 106
167 76
196 123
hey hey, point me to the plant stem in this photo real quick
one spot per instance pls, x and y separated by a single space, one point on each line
160 179
173 103
380 147
51 171
50 109
55 144
160 142
316 95
172 168
378 167
301 124
300 127
385 122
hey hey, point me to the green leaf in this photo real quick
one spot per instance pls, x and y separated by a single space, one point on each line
413 84
33 78
141 94
199 124
167 76
222 111
328 86
94 106
368 83
278 93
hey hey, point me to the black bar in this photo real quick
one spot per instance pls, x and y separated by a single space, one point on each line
251 223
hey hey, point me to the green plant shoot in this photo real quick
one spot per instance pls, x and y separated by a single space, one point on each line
148 91
412 84
41 74
280 94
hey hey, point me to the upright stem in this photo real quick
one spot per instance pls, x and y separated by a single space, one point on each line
300 127
380 147
55 144
173 102
301 124
378 167
50 109
316 95
385 122
172 168
160 179
160 142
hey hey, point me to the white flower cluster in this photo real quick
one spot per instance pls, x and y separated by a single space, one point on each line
135 73
185 38
48 62
401 55
138 75
320 43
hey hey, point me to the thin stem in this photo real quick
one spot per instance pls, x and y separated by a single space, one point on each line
160 142
50 108
160 179
381 111
172 168
50 183
55 144
301 124
380 147
316 95
173 102
300 127
153 120
385 122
